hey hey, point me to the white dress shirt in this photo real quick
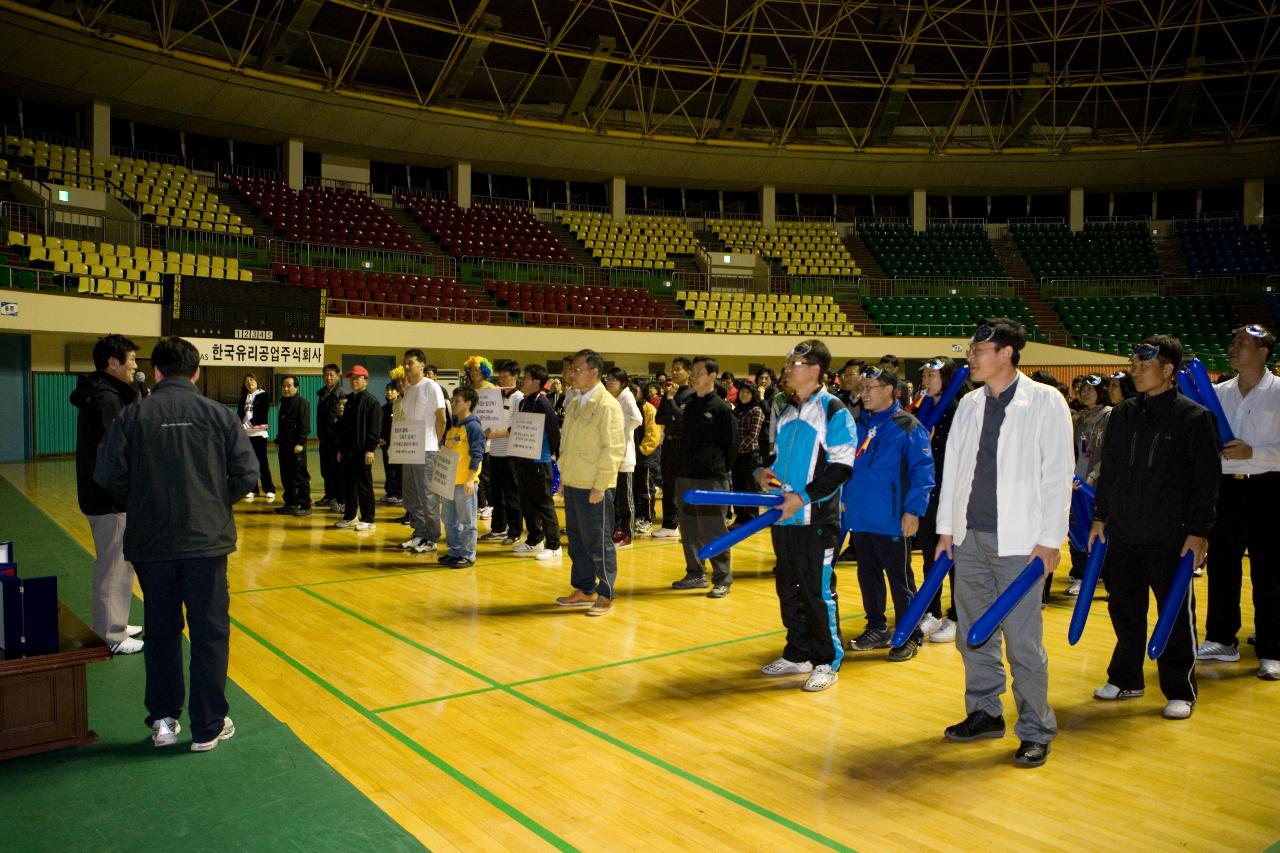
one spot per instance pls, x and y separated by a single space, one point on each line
1255 420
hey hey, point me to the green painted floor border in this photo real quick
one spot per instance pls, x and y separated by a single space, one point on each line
700 782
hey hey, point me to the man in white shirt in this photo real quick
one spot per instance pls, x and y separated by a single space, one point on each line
506 525
1246 500
1004 501
423 401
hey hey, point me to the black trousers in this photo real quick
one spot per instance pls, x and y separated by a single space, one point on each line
295 479
1135 570
1246 511
926 539
881 557
642 487
259 445
390 476
484 491
672 452
330 470
806 583
624 506
357 477
533 483
504 496
200 587
701 524
743 481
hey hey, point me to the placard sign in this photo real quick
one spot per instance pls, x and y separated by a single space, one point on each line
444 476
408 444
489 410
526 434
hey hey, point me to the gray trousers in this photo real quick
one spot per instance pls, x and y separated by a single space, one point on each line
701 524
112 578
980 577
420 503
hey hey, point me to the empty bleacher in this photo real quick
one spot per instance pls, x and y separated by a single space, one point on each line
800 248
944 316
1113 324
637 242
941 250
1101 250
765 313
589 306
487 230
1228 247
330 215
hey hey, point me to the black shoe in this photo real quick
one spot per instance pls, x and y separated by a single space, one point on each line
285 510
690 583
1031 754
976 726
404 519
323 503
302 512
872 638
906 651
720 590
445 560
461 563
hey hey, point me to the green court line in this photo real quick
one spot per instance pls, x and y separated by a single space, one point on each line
418 702
401 573
705 784
442 765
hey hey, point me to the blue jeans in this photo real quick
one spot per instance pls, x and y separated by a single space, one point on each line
460 523
590 528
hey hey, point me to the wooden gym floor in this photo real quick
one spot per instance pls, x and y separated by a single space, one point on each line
481 717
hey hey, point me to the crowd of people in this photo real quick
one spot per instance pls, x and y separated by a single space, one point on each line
988 484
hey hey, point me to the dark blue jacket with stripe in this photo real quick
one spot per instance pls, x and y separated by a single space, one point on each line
892 473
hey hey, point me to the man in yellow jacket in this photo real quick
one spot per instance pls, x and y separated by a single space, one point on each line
592 446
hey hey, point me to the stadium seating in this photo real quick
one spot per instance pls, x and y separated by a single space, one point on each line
566 305
800 248
637 242
948 250
765 313
1228 247
1101 250
323 215
1114 324
487 231
946 316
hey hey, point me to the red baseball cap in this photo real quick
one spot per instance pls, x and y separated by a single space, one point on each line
358 370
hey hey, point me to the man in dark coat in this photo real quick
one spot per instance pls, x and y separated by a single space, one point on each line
327 431
358 434
293 427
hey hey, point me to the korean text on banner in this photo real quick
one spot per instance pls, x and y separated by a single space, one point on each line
444 476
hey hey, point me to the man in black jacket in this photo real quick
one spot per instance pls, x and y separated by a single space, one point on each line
327 431
671 417
100 396
710 447
177 462
1157 488
358 431
293 427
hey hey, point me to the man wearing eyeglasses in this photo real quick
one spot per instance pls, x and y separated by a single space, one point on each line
813 439
1249 487
1156 489
1004 501
884 500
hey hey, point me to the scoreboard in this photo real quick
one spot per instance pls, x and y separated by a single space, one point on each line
242 311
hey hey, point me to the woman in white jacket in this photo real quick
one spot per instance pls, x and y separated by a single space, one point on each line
616 383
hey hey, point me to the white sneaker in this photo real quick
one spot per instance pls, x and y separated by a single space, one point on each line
1269 670
132 630
228 730
823 676
524 549
271 496
1217 651
782 666
346 522
165 732
485 512
424 548
946 632
410 544
929 624
666 533
250 496
1110 693
127 646
366 525
1074 588
1177 709
549 554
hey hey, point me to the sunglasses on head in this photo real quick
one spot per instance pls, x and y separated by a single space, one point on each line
1146 352
1093 379
982 334
1253 330
803 351
1119 374
932 364
872 373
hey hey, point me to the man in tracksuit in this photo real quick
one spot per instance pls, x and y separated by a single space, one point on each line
710 447
671 418
177 461
813 440
293 428
884 500
327 431
358 432
1156 495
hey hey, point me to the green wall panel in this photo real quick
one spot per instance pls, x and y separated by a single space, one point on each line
55 417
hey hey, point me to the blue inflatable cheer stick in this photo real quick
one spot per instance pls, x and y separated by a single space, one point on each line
1172 604
1209 399
920 603
1032 577
733 537
1088 585
1188 387
706 497
931 418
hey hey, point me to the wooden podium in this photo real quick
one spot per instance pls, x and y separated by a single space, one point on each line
44 702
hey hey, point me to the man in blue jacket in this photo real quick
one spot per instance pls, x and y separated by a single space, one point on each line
884 500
